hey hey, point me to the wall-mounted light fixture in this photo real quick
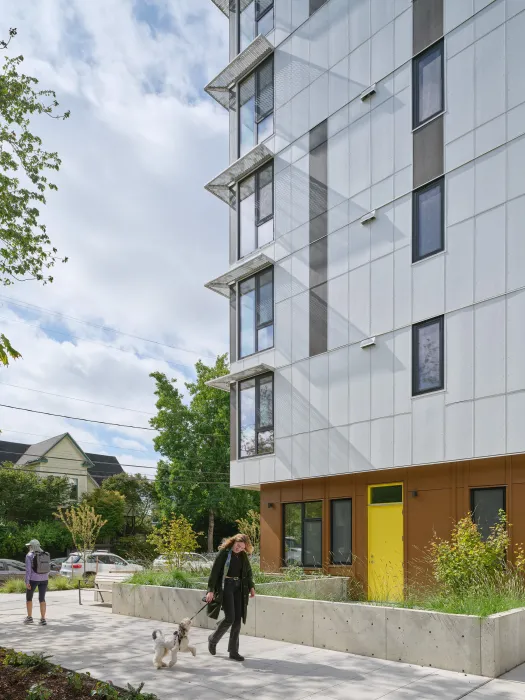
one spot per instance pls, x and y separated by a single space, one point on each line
413 494
368 343
368 92
271 505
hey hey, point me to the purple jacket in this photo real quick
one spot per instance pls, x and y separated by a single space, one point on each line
32 575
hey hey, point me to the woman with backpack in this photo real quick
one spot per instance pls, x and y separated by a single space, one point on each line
37 576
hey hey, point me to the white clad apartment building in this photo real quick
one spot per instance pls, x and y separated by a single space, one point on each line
376 189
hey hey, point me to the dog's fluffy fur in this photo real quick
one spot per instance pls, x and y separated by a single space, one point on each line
179 641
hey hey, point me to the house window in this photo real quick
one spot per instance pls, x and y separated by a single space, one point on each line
428 220
254 19
256 210
341 531
427 356
74 489
256 416
256 95
303 528
256 313
486 505
428 84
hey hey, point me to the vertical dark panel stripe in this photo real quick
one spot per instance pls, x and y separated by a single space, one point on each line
233 324
315 5
427 23
428 152
233 422
318 253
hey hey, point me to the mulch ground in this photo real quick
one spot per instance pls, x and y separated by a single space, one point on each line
16 681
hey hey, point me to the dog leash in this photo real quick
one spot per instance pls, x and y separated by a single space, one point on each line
200 609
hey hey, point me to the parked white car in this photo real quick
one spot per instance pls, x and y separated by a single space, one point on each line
192 561
73 567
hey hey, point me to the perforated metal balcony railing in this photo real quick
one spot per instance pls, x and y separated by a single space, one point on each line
241 66
226 5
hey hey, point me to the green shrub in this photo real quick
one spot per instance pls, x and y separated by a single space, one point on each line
20 660
105 691
38 692
132 693
53 536
14 585
174 578
136 549
75 681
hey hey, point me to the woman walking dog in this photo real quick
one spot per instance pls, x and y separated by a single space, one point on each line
229 587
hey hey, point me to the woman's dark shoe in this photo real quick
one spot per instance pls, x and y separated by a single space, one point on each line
235 656
212 648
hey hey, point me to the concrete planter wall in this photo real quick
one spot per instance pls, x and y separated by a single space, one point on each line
481 646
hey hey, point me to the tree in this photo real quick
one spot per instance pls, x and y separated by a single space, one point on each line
140 494
25 247
111 506
174 538
26 497
52 535
193 476
84 526
251 525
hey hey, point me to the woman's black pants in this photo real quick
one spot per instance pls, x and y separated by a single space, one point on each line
232 606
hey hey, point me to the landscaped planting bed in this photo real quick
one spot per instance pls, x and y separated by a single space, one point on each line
34 677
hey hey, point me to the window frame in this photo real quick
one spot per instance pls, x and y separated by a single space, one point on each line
258 430
440 182
257 326
303 505
416 121
257 119
258 16
333 562
256 221
415 355
487 488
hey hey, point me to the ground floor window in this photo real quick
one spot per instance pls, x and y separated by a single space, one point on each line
485 505
303 534
341 531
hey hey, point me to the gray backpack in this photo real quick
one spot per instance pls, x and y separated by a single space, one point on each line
41 563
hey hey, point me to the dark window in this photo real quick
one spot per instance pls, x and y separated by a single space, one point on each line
74 489
486 505
428 84
256 416
427 356
256 99
428 220
302 544
256 210
392 493
256 313
255 17
341 531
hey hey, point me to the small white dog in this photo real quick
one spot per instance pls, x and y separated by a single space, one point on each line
180 641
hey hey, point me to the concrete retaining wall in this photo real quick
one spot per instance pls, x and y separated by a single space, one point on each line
482 646
322 587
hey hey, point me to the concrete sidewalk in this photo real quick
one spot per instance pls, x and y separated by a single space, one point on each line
111 647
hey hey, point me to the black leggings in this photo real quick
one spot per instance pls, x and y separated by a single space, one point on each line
42 588
232 606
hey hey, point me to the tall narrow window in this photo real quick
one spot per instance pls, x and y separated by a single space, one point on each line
256 313
428 84
255 18
256 210
74 489
256 100
486 505
428 220
341 531
256 416
303 541
427 356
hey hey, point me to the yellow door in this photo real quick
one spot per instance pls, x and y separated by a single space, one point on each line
385 542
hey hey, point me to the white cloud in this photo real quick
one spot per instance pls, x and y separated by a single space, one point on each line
131 213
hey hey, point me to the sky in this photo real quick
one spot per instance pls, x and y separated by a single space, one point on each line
131 214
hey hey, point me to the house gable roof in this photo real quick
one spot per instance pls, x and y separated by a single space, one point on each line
37 452
11 451
103 467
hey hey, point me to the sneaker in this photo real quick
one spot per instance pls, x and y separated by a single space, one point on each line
43 622
235 656
28 620
212 648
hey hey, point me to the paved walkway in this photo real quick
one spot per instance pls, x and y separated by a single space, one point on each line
117 648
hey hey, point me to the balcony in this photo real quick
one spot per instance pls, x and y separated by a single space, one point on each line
241 66
246 268
224 5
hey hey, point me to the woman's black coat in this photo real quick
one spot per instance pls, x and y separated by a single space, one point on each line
216 579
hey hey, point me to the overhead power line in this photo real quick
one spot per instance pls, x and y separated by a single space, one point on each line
16 302
83 442
73 398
